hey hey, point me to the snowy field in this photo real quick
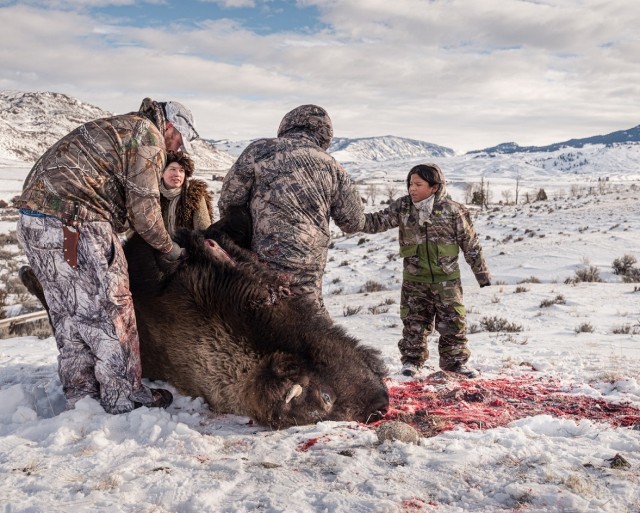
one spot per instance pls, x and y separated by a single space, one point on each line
576 345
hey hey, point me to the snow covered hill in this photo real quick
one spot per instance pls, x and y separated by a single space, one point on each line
234 148
30 122
558 169
384 148
363 150
388 159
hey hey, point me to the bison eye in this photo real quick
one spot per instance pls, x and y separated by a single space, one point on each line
326 398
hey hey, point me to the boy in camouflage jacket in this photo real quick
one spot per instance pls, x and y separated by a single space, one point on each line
432 230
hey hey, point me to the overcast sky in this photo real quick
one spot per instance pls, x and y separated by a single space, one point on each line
465 74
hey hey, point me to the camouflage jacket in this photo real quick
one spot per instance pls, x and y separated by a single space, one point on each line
105 170
431 251
293 187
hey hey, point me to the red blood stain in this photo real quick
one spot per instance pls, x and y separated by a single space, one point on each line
436 403
305 446
416 504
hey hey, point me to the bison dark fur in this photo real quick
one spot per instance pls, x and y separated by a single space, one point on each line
228 333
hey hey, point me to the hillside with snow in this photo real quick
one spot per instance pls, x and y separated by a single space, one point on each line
562 172
387 160
30 122
384 148
380 149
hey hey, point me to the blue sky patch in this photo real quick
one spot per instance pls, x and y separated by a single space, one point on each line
268 16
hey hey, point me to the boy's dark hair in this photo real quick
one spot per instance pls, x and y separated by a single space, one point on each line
430 173
183 159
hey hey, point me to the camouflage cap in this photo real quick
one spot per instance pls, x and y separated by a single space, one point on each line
311 120
182 119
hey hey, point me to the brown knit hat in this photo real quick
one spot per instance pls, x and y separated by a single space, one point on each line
183 159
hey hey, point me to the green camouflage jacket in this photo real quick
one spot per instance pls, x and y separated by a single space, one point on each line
431 251
111 169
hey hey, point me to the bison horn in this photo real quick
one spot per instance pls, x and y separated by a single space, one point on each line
295 391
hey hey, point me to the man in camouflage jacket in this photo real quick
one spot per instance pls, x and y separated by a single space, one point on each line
96 181
293 187
430 243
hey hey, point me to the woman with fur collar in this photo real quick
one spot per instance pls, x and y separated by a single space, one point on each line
186 203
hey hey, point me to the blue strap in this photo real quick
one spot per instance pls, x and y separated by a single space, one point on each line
33 213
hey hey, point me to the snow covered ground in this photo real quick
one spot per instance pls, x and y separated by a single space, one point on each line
585 340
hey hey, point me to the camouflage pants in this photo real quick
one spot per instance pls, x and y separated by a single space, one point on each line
305 284
424 306
91 311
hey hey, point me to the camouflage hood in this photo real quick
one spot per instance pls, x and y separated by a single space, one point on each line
442 190
308 121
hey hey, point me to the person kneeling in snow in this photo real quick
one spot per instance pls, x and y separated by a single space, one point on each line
98 180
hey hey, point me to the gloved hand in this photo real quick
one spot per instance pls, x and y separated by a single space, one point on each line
169 262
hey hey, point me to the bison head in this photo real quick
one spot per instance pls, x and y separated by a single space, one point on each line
287 391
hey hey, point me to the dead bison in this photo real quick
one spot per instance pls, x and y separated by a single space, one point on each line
222 328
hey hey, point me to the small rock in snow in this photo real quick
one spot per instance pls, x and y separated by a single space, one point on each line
394 430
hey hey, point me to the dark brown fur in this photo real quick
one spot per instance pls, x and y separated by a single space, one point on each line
231 335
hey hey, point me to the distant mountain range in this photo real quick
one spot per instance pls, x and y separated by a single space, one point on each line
620 137
367 149
30 122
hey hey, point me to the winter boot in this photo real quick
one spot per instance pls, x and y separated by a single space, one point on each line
410 369
161 399
464 370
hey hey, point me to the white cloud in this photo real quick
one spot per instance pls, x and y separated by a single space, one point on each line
460 73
